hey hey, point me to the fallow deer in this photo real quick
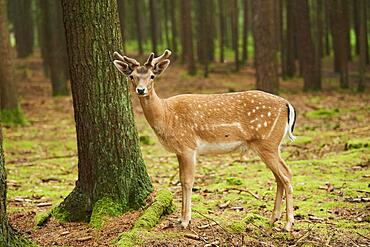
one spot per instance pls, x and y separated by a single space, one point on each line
195 124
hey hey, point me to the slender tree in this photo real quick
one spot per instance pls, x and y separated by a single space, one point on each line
245 32
203 45
153 25
290 41
264 48
112 177
10 112
187 36
23 26
173 27
360 5
54 45
306 49
166 23
122 14
139 26
235 31
222 32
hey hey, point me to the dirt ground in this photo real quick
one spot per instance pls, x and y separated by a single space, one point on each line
233 196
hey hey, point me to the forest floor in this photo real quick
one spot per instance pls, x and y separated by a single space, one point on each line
233 197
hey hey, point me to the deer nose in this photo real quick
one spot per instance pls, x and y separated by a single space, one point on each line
140 91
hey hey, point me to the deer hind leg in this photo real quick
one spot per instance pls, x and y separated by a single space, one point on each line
282 172
187 167
276 212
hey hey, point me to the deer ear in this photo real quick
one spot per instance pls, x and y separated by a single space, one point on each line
161 66
122 67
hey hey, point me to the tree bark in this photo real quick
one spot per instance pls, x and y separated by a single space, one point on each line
264 47
166 22
23 27
188 36
153 26
10 112
235 31
112 177
202 47
222 29
306 50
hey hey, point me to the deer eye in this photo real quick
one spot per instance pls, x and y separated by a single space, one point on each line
131 77
152 77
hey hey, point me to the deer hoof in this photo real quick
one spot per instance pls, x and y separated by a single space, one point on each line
288 226
184 223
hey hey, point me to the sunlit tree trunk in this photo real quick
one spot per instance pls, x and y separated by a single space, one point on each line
111 172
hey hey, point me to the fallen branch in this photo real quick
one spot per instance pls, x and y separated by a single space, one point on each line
244 190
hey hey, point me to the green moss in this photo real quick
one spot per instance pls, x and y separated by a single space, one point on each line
322 113
357 144
103 209
303 140
42 217
250 218
161 206
234 181
12 117
146 139
130 238
61 214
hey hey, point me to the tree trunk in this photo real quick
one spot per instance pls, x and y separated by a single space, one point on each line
202 16
222 30
245 32
166 21
139 26
112 177
153 26
188 36
173 27
290 41
306 49
10 112
332 6
235 31
264 47
361 6
327 30
121 13
23 27
56 47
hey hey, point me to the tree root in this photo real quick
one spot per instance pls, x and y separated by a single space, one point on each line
162 205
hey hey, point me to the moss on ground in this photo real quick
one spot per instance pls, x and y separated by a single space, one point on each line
103 210
162 205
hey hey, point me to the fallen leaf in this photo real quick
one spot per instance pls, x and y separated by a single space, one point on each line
192 236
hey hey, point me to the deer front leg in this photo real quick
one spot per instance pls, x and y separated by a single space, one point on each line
187 167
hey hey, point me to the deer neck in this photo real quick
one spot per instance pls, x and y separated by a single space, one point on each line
153 108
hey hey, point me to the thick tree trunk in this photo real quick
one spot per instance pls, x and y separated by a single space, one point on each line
23 27
222 29
139 26
112 177
153 26
188 36
306 49
235 31
264 47
122 13
10 112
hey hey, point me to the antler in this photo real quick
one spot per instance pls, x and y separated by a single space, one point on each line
132 63
151 62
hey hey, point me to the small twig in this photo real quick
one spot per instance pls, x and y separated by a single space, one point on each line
327 243
199 236
205 216
245 190
304 236
363 236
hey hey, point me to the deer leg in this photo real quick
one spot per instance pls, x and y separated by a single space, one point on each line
282 171
187 167
289 195
276 212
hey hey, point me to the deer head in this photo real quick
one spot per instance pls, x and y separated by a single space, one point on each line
142 76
